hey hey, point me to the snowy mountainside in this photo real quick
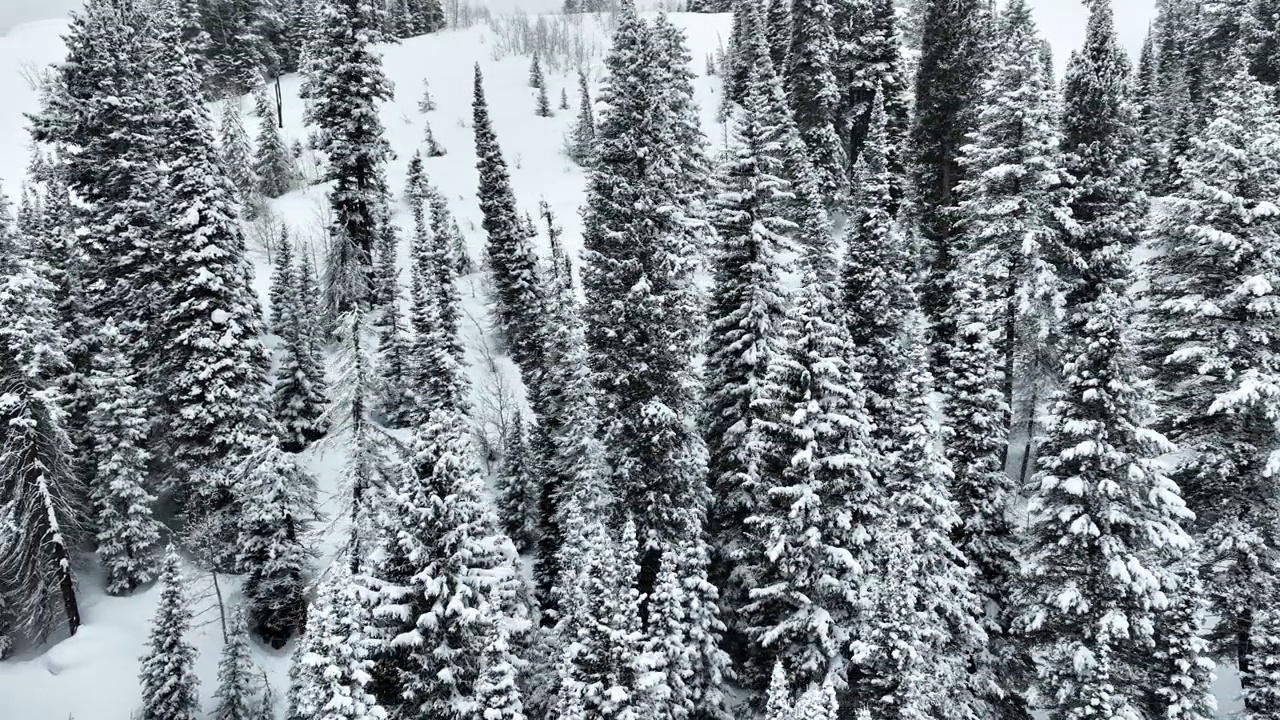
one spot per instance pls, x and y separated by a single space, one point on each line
93 676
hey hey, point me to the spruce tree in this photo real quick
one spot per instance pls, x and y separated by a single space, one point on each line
582 139
517 488
1208 341
395 362
434 148
335 661
778 33
40 495
814 94
511 257
236 153
351 134
1100 500
299 395
641 312
235 674
282 296
947 91
272 550
748 307
169 683
274 167
870 69
426 103
564 99
128 535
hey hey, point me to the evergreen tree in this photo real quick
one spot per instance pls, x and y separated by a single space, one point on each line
128 535
778 32
747 310
544 102
497 692
41 498
344 90
1100 501
396 363
583 137
282 297
335 663
169 683
1209 342
1182 672
426 103
868 67
517 489
237 154
947 91
273 553
564 99
511 257
298 397
235 674
641 311
434 148
274 167
814 94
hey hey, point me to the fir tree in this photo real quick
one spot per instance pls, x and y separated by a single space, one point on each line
947 90
272 163
298 397
335 662
40 497
641 312
778 33
583 137
870 69
1211 318
128 535
746 314
1100 500
564 99
434 148
272 550
497 691
536 77
814 96
351 134
544 102
235 675
426 103
169 683
282 297
511 257
237 155
517 488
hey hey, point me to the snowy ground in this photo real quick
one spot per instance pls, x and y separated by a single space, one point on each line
93 675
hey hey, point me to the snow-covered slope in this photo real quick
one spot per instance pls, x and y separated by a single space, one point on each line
93 676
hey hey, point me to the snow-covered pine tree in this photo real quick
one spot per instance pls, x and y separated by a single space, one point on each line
735 63
443 575
511 257
948 84
748 307
236 154
336 662
213 361
344 90
273 553
1182 672
299 395
816 529
128 534
395 362
536 77
1011 217
564 99
282 297
517 488
777 705
274 166
435 353
1212 314
41 497
497 691
236 672
815 95
642 304
778 33
876 72
168 678
370 459
426 103
543 107
1100 501
434 148
582 139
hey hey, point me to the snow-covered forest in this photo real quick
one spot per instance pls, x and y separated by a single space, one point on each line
699 360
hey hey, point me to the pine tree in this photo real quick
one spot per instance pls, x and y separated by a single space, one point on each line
426 103
641 312
544 102
869 68
1181 684
1208 342
336 664
517 488
395 362
434 148
237 154
511 257
273 553
298 397
778 33
282 297
778 700
564 99
947 91
582 139
814 96
1100 500
497 691
235 674
128 535
746 314
169 683
40 496
351 134
273 165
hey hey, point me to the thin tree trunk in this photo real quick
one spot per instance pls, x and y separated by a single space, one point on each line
222 610
67 586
